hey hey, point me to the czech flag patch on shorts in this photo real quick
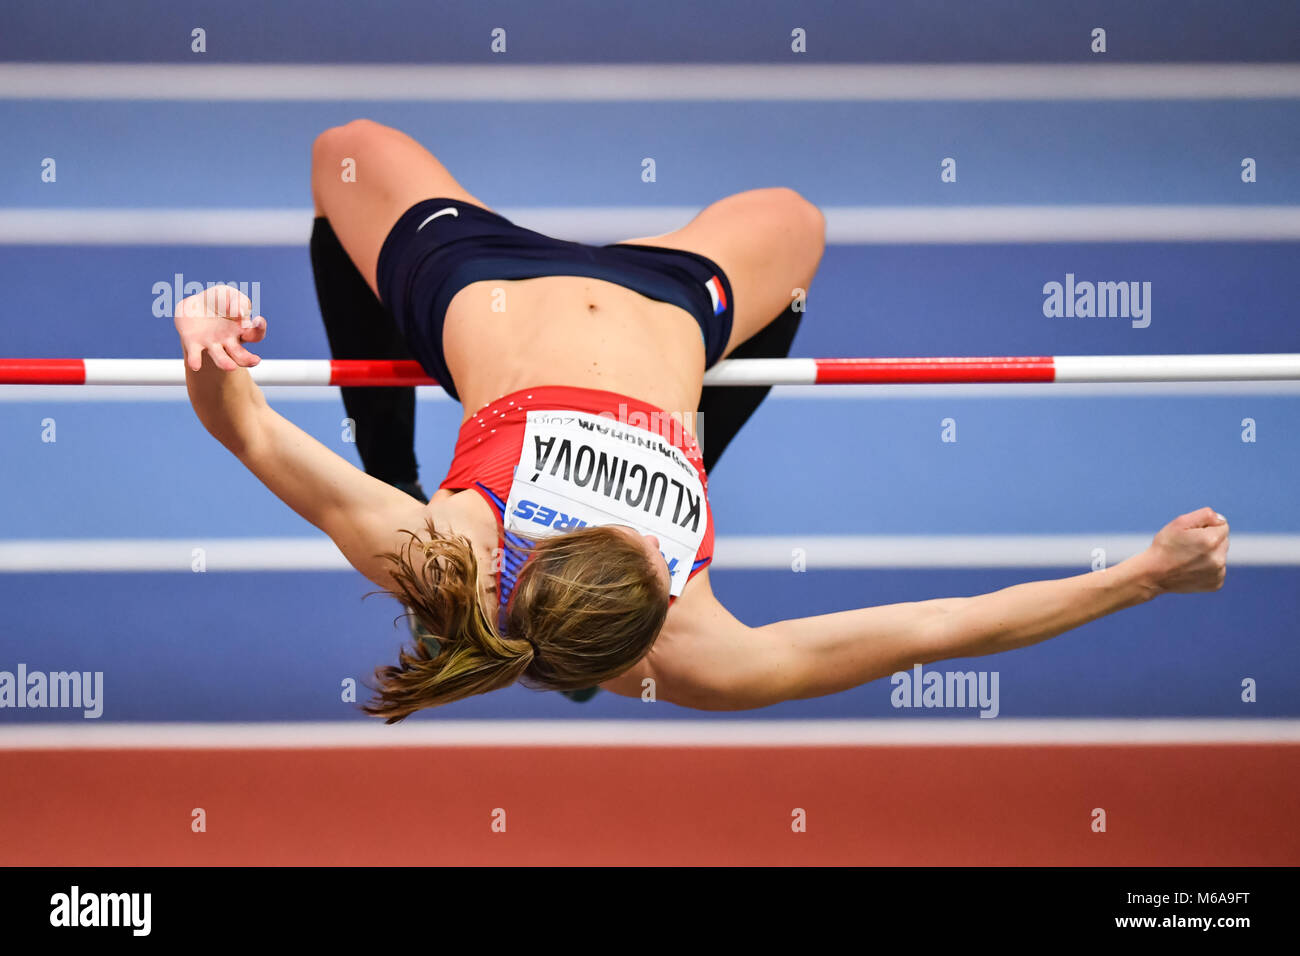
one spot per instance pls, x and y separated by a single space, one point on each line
717 294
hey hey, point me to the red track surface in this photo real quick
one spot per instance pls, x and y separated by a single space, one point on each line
1011 805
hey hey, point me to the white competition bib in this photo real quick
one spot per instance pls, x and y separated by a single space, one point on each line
578 470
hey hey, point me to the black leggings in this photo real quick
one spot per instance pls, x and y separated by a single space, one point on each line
359 327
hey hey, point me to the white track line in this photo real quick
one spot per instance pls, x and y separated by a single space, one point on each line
647 82
1066 223
738 552
825 552
876 225
283 394
902 732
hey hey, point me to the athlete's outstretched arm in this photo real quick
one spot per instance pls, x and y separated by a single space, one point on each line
714 662
361 514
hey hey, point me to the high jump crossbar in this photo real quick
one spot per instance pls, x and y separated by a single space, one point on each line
787 371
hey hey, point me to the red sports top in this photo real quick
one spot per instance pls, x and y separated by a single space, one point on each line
490 445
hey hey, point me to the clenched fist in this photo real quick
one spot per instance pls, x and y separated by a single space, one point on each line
217 321
1190 553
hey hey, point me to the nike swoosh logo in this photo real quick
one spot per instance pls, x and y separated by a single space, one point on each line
449 211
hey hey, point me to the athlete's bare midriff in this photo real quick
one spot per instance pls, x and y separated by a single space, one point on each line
504 335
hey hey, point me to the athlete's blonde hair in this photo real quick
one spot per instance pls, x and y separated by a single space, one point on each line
586 606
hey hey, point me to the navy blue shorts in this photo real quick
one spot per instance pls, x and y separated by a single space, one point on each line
439 246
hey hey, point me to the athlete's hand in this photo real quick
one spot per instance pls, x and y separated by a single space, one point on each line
1190 553
218 321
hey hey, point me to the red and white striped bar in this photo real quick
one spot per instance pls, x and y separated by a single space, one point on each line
792 371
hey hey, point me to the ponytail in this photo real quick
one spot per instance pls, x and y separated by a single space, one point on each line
437 579
587 606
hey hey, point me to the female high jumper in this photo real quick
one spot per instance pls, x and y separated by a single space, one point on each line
569 545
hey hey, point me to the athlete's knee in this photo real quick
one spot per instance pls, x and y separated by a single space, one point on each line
809 220
326 148
339 140
805 224
334 150
798 214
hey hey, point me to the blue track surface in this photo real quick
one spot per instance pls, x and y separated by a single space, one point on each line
667 31
158 155
1047 466
235 647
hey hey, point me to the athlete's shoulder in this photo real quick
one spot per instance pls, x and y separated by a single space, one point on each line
703 654
698 608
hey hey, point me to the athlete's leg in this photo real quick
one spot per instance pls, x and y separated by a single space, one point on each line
359 327
725 408
388 172
769 242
